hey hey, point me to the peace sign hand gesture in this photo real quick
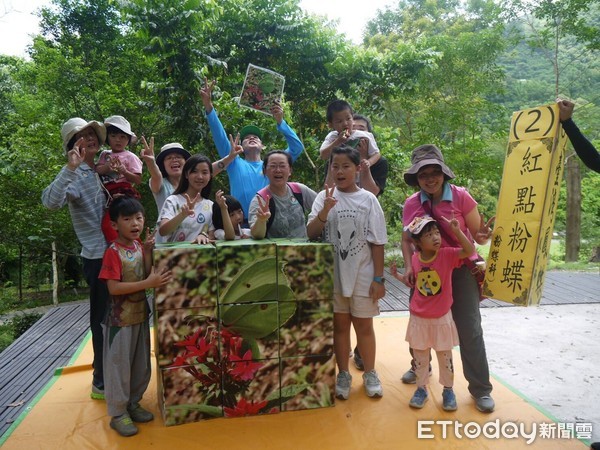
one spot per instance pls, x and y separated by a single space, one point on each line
188 208
235 148
485 230
264 213
206 94
149 241
330 200
76 155
220 199
147 153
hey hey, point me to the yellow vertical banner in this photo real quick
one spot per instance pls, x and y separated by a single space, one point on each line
520 244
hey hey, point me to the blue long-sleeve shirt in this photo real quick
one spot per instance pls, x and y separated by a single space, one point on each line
246 178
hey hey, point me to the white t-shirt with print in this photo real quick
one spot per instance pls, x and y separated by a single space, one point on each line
191 226
355 221
356 134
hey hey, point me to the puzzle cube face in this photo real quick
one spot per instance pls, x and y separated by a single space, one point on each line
250 328
194 281
251 387
307 268
309 331
186 336
246 271
190 393
307 382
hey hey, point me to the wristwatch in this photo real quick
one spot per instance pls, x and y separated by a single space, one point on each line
220 165
380 280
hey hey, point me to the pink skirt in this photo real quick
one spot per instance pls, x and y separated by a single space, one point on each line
439 334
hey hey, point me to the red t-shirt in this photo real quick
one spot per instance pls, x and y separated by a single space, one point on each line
125 264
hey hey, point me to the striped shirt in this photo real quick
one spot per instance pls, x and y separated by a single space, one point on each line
82 191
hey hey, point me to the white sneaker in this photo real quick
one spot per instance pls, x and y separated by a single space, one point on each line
372 384
342 385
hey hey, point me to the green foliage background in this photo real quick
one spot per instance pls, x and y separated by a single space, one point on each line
448 72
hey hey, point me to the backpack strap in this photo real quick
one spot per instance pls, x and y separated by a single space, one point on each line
297 191
266 193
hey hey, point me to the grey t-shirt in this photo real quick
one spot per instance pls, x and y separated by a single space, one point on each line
289 220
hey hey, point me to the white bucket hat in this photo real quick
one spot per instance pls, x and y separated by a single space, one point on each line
122 124
74 125
167 149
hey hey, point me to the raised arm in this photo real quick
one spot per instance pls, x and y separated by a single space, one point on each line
295 146
55 196
147 156
582 146
216 127
467 246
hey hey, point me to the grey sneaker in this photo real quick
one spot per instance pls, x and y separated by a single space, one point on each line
358 361
139 414
419 398
123 425
485 404
372 384
409 377
97 393
342 385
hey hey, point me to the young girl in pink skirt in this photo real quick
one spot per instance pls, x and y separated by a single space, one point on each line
431 325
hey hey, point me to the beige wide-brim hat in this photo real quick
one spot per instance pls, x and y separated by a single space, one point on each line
426 155
74 125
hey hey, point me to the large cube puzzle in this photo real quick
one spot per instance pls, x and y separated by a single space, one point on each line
245 327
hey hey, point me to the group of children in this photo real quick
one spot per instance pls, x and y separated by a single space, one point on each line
343 214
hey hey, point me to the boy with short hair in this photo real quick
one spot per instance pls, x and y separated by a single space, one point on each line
127 270
340 120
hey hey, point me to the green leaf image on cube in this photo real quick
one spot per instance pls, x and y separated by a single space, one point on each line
256 320
238 263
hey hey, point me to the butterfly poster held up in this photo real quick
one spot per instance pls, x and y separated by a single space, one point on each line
262 89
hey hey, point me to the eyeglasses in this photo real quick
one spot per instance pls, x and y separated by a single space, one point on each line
173 156
277 166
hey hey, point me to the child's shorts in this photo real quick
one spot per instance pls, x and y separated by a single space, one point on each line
357 306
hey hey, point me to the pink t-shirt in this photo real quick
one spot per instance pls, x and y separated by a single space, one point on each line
127 158
456 202
432 295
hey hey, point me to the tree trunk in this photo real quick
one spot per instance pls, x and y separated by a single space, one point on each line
573 237
54 275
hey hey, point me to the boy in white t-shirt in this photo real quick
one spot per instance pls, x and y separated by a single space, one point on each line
352 220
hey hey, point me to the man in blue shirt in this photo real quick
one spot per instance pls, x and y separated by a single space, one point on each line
246 175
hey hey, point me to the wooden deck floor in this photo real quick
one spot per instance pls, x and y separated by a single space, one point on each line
29 363
560 288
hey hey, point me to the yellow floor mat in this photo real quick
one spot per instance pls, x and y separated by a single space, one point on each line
64 417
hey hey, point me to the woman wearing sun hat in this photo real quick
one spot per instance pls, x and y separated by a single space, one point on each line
165 170
78 186
438 198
